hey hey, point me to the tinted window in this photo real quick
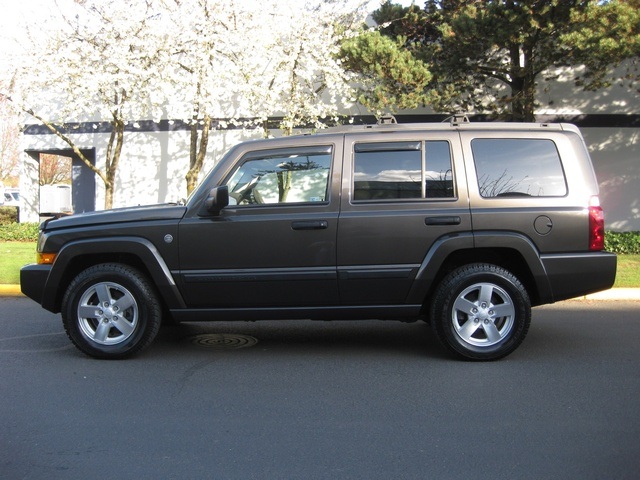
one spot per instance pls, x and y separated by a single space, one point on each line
395 170
295 175
387 171
518 167
438 172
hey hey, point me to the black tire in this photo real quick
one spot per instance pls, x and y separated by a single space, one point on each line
111 311
481 312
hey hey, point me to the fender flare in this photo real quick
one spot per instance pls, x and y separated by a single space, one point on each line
142 248
447 245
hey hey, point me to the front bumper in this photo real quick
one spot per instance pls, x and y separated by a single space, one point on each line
33 279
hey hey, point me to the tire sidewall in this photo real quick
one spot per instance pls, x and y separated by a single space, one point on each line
148 310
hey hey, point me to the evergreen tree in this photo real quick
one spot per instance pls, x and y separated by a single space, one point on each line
488 55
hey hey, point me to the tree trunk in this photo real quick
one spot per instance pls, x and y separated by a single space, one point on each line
114 150
197 153
284 185
523 87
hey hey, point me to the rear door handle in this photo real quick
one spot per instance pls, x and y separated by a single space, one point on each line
310 225
453 220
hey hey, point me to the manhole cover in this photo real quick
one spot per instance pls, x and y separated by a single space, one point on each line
223 341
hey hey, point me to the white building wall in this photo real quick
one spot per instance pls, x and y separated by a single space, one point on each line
615 153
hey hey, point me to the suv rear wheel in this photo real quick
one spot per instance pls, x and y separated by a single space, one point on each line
481 312
111 311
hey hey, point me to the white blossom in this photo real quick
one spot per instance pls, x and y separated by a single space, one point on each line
125 61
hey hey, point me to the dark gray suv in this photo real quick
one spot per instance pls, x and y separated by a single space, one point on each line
464 225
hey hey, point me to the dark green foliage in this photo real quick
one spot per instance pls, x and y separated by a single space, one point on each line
391 78
489 55
622 242
8 215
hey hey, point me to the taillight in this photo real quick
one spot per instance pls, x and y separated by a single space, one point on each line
596 225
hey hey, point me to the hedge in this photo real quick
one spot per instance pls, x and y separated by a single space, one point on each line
8 215
622 242
19 232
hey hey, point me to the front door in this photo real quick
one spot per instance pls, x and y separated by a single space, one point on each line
275 245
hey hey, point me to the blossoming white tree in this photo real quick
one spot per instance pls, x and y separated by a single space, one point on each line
98 64
9 144
299 75
245 63
190 60
201 76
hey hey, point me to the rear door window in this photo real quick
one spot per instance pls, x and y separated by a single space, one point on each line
402 170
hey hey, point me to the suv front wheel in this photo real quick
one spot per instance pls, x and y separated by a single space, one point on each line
481 312
111 311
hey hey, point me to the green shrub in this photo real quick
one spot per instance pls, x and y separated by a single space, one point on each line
19 232
622 242
8 215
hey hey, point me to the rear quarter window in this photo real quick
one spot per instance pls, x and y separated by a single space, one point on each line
520 167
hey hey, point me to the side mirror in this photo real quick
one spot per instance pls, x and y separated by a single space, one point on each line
217 199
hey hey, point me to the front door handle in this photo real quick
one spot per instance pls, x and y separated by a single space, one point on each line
452 220
310 225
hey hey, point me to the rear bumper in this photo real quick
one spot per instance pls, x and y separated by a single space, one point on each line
575 275
33 279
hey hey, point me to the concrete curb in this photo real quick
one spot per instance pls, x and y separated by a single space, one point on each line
10 291
615 294
612 294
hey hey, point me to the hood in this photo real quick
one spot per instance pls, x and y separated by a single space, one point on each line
118 215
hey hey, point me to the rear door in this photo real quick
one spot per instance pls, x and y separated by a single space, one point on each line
400 193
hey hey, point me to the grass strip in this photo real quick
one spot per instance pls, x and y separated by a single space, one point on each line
628 275
13 255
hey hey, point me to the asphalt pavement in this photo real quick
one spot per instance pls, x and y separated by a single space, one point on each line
323 400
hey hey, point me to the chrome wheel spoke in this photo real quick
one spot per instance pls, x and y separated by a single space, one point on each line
124 303
493 334
503 310
88 311
103 293
468 329
463 305
486 292
123 326
102 332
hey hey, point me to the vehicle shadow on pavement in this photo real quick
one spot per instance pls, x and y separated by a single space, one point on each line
302 336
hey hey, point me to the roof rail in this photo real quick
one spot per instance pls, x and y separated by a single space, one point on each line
387 119
457 119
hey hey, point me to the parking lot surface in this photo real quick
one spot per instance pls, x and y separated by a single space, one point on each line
323 400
